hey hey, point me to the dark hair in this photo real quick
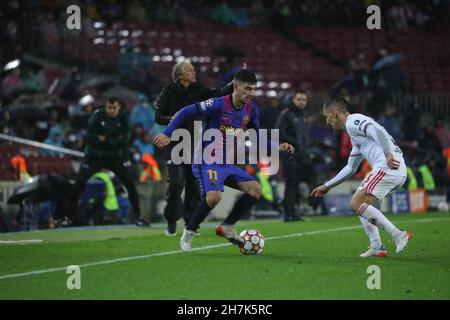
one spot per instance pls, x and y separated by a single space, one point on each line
245 75
113 100
300 91
339 104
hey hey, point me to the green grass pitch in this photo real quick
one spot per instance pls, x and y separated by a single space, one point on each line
314 259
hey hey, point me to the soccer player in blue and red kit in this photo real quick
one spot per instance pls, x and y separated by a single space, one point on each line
228 114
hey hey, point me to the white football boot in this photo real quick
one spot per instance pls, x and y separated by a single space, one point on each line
401 241
186 240
382 252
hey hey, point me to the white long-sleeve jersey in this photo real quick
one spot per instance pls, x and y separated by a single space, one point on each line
369 141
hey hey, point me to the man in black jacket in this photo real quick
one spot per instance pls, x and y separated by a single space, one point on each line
108 136
182 91
294 130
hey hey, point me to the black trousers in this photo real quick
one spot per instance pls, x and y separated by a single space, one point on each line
295 171
181 177
122 170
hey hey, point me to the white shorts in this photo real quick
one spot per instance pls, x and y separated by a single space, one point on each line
380 183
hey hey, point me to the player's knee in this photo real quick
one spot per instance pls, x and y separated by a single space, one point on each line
355 204
256 191
213 199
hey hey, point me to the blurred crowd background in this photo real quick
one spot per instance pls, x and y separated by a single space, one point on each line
53 78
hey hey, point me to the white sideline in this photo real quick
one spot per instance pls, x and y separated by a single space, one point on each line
24 274
21 241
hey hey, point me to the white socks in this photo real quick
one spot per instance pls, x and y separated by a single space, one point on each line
377 218
372 233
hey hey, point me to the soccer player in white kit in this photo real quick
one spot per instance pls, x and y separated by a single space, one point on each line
372 142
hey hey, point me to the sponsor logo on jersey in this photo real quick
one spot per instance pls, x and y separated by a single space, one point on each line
230 130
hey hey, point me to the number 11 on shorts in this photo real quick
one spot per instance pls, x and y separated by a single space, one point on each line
212 175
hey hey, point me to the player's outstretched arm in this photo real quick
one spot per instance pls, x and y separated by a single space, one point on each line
320 191
349 170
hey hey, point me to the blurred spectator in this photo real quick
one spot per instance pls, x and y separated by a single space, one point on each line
225 14
144 144
92 10
71 90
429 141
411 115
50 37
137 131
421 19
125 64
137 12
166 11
282 18
55 138
6 125
74 139
401 15
142 113
443 133
269 114
387 73
379 98
359 70
12 82
431 153
136 69
111 12
258 13
389 121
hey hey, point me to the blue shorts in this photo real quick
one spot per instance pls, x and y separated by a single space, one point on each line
213 177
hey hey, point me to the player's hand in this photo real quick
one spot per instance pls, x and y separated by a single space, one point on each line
320 191
161 140
102 138
287 147
391 162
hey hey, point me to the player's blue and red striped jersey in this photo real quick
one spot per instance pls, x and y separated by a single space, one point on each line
221 114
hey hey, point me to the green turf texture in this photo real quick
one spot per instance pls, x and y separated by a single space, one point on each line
315 265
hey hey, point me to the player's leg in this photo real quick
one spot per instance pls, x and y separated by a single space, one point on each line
210 179
376 247
252 193
239 179
376 187
211 199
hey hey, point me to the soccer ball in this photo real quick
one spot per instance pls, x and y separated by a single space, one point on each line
443 206
253 242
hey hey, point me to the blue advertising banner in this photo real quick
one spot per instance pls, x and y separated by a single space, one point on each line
400 202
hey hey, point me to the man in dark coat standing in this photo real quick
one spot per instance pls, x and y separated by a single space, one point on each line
294 130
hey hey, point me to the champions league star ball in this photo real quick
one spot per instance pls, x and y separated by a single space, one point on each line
253 242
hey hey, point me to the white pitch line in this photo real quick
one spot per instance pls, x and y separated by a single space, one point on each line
167 253
21 241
